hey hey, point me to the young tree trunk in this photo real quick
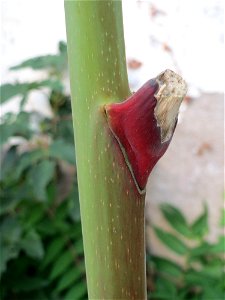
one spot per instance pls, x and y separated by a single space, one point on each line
111 190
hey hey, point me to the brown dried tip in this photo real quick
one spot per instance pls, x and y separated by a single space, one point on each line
172 89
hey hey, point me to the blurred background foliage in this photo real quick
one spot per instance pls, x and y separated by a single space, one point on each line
41 240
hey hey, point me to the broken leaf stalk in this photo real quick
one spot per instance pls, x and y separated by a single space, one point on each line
144 124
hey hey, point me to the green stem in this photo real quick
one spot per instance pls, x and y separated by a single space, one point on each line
112 210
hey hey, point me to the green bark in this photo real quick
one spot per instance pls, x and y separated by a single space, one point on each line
112 210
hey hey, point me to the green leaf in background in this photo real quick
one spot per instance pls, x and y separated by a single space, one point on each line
61 264
8 252
62 150
76 233
206 249
77 292
7 204
164 290
74 205
215 270
70 277
199 250
36 214
62 211
213 293
39 62
47 227
29 284
218 247
32 245
10 235
10 90
39 177
10 230
222 219
57 62
171 241
166 266
54 85
62 226
200 227
78 247
195 278
15 125
23 101
53 250
8 163
176 219
27 160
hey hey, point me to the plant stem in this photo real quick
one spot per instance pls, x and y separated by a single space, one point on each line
112 209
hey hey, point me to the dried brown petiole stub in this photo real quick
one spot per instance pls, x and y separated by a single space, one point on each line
144 124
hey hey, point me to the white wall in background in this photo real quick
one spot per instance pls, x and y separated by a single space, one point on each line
193 30
29 28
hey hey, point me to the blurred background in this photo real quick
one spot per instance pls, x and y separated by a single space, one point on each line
41 241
